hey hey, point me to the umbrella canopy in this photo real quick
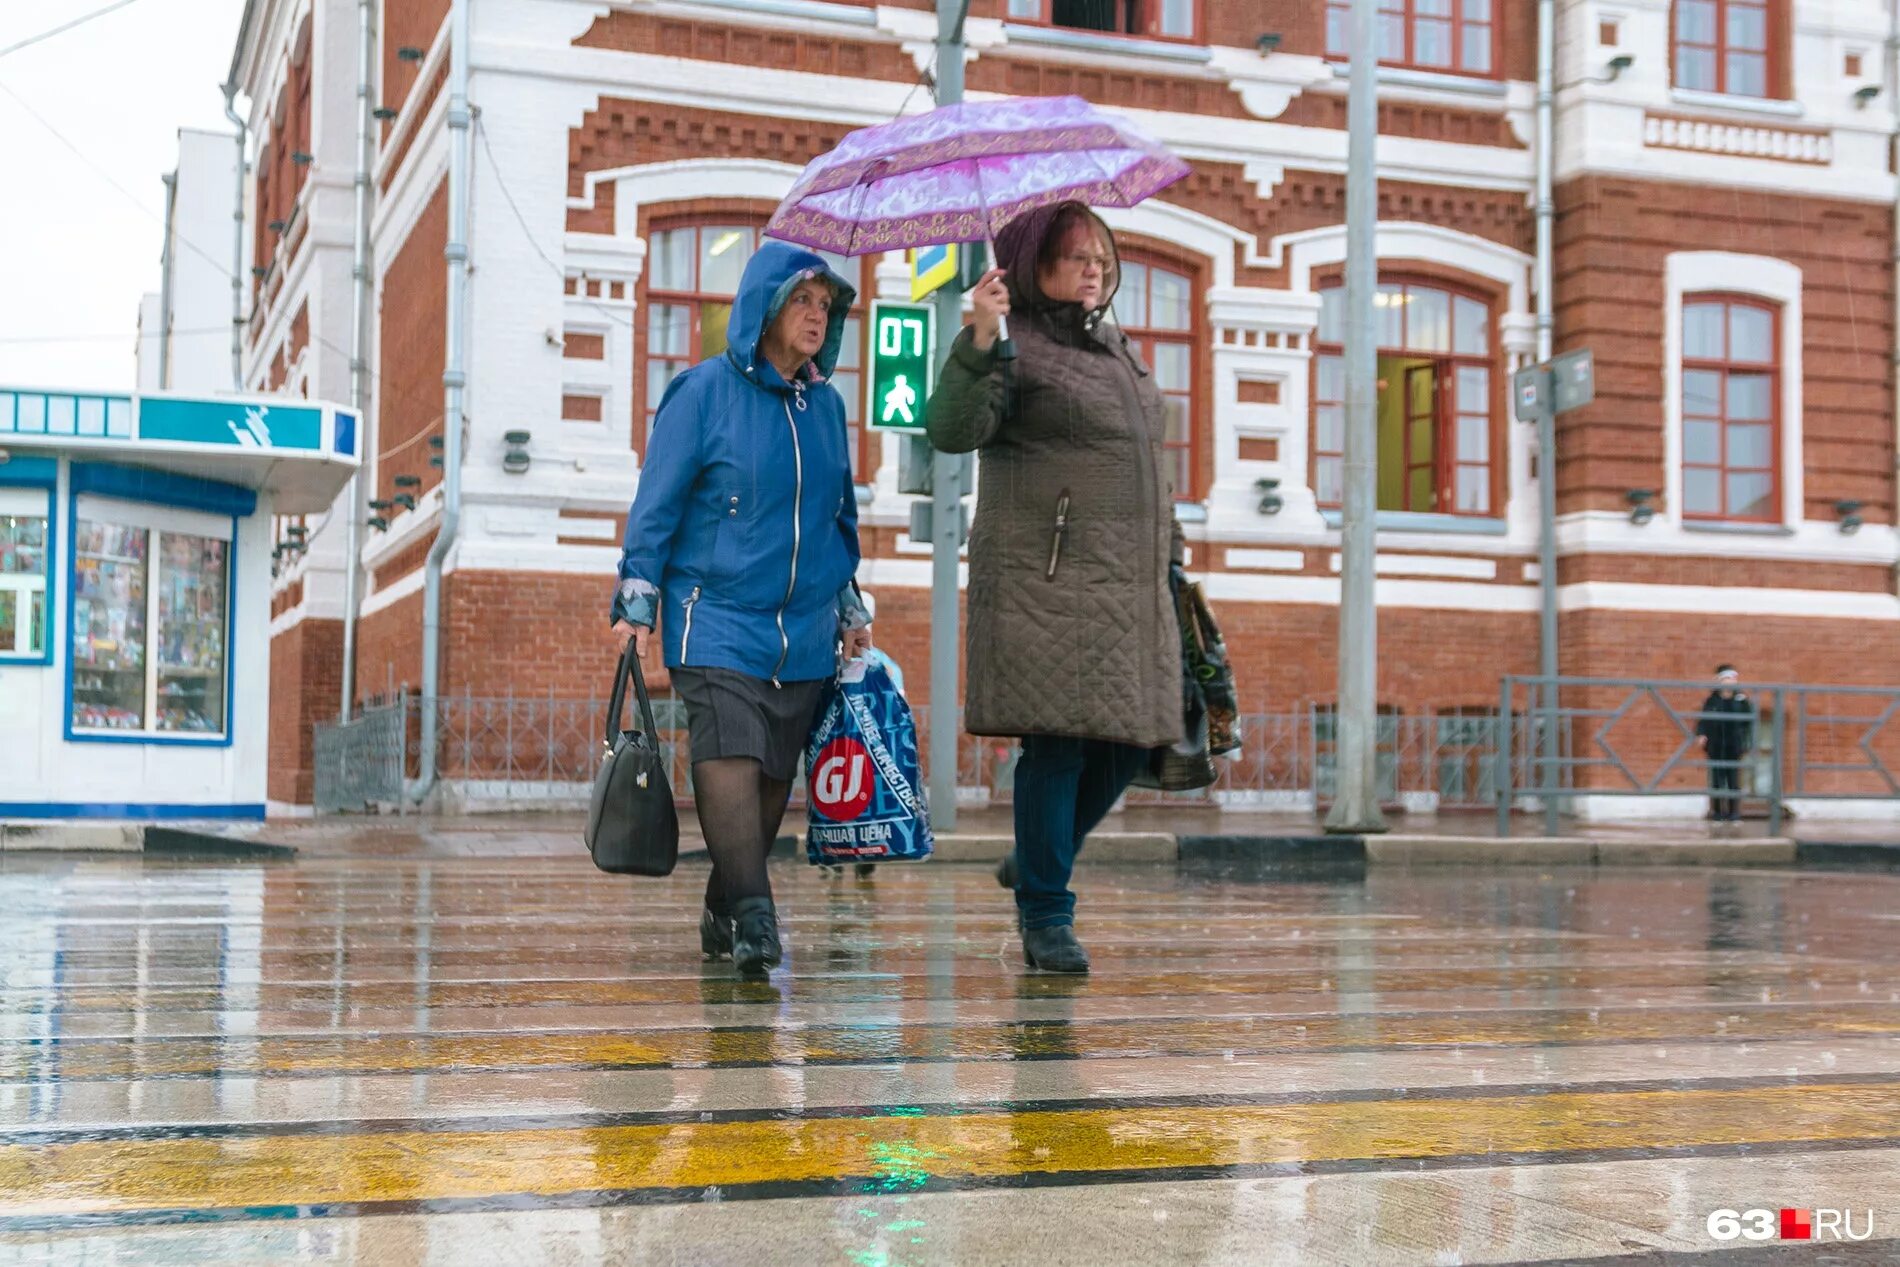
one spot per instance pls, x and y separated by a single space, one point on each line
962 172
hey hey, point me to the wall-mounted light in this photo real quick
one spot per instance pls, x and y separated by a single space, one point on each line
435 458
258 270
277 227
378 522
408 53
1618 64
1271 503
1849 511
384 113
1268 43
302 159
1641 512
1864 95
515 460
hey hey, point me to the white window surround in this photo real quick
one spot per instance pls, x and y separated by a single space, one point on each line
1760 277
29 502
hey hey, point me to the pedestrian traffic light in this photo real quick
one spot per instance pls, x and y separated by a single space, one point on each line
903 364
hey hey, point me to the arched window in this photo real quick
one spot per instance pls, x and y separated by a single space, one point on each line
1436 399
1155 309
1731 415
692 276
1724 46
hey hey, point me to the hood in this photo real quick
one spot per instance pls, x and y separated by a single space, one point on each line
1019 247
771 276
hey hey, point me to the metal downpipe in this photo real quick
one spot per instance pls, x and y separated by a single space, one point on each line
359 369
454 382
166 258
237 239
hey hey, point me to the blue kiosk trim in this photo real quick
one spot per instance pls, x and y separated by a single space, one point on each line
150 812
160 488
25 472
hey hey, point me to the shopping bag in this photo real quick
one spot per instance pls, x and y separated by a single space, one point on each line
863 785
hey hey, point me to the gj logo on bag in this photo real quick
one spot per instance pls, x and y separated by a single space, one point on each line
841 781
863 783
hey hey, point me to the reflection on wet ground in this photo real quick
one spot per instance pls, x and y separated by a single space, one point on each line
473 1060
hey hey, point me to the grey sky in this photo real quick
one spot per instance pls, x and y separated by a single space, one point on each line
75 253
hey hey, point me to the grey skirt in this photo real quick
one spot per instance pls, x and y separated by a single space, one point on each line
731 714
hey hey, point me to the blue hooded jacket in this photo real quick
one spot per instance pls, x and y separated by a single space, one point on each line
744 529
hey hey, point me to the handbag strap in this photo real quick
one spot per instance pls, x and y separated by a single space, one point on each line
617 700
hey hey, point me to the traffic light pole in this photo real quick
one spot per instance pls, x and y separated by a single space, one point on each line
946 500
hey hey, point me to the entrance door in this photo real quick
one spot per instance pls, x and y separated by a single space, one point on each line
1422 465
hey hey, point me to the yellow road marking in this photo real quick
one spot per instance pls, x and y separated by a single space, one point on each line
900 1152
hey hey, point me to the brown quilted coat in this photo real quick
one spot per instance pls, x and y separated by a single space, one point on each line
1071 629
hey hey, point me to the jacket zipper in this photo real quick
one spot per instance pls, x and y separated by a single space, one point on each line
1061 531
686 634
798 503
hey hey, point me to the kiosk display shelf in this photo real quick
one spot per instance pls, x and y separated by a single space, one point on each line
191 617
110 565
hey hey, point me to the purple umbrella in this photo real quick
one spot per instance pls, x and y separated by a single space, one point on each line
962 172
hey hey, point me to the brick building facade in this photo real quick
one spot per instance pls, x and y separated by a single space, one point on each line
1724 245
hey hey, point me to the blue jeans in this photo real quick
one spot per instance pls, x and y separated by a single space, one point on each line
1064 788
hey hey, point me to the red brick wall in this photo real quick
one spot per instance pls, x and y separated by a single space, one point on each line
306 678
1613 238
389 648
413 24
413 348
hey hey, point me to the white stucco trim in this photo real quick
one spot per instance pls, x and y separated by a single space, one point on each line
1312 249
1762 277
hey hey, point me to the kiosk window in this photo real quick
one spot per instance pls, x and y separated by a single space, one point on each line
150 637
23 563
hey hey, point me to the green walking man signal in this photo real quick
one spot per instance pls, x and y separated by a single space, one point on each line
903 363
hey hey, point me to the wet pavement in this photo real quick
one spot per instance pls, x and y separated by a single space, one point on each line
490 1059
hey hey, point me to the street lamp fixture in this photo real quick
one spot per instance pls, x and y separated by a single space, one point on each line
1618 64
1849 510
408 53
1864 95
1271 503
1641 512
515 460
1268 43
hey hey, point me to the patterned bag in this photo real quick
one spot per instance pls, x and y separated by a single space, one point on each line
863 780
1205 653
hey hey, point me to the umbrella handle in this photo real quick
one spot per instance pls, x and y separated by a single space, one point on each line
1005 346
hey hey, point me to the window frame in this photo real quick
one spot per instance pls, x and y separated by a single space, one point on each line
649 297
1445 438
1143 339
20 583
1150 11
1773 369
1774 17
1410 62
185 516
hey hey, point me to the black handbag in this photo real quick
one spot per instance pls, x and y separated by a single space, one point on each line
1189 765
632 826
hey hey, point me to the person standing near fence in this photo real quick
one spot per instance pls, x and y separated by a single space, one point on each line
1725 734
1073 642
744 535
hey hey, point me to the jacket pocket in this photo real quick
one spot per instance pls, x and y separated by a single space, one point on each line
1058 535
729 538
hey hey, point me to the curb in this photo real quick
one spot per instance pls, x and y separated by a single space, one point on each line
138 839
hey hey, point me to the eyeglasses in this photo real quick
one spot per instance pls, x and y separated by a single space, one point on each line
1081 263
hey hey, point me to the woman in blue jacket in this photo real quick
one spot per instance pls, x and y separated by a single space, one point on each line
741 548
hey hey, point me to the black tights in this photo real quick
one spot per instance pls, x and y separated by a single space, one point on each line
740 810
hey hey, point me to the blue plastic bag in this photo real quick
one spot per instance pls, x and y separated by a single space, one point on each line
863 784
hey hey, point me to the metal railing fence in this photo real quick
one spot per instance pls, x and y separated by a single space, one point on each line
1638 737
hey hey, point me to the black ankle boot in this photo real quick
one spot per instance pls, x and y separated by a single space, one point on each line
715 935
755 946
1054 949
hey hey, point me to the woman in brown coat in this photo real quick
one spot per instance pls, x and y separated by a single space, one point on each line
1073 645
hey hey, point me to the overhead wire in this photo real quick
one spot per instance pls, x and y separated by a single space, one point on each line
64 27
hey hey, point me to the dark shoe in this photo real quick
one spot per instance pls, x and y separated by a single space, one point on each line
1054 949
715 935
1006 871
755 946
866 870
